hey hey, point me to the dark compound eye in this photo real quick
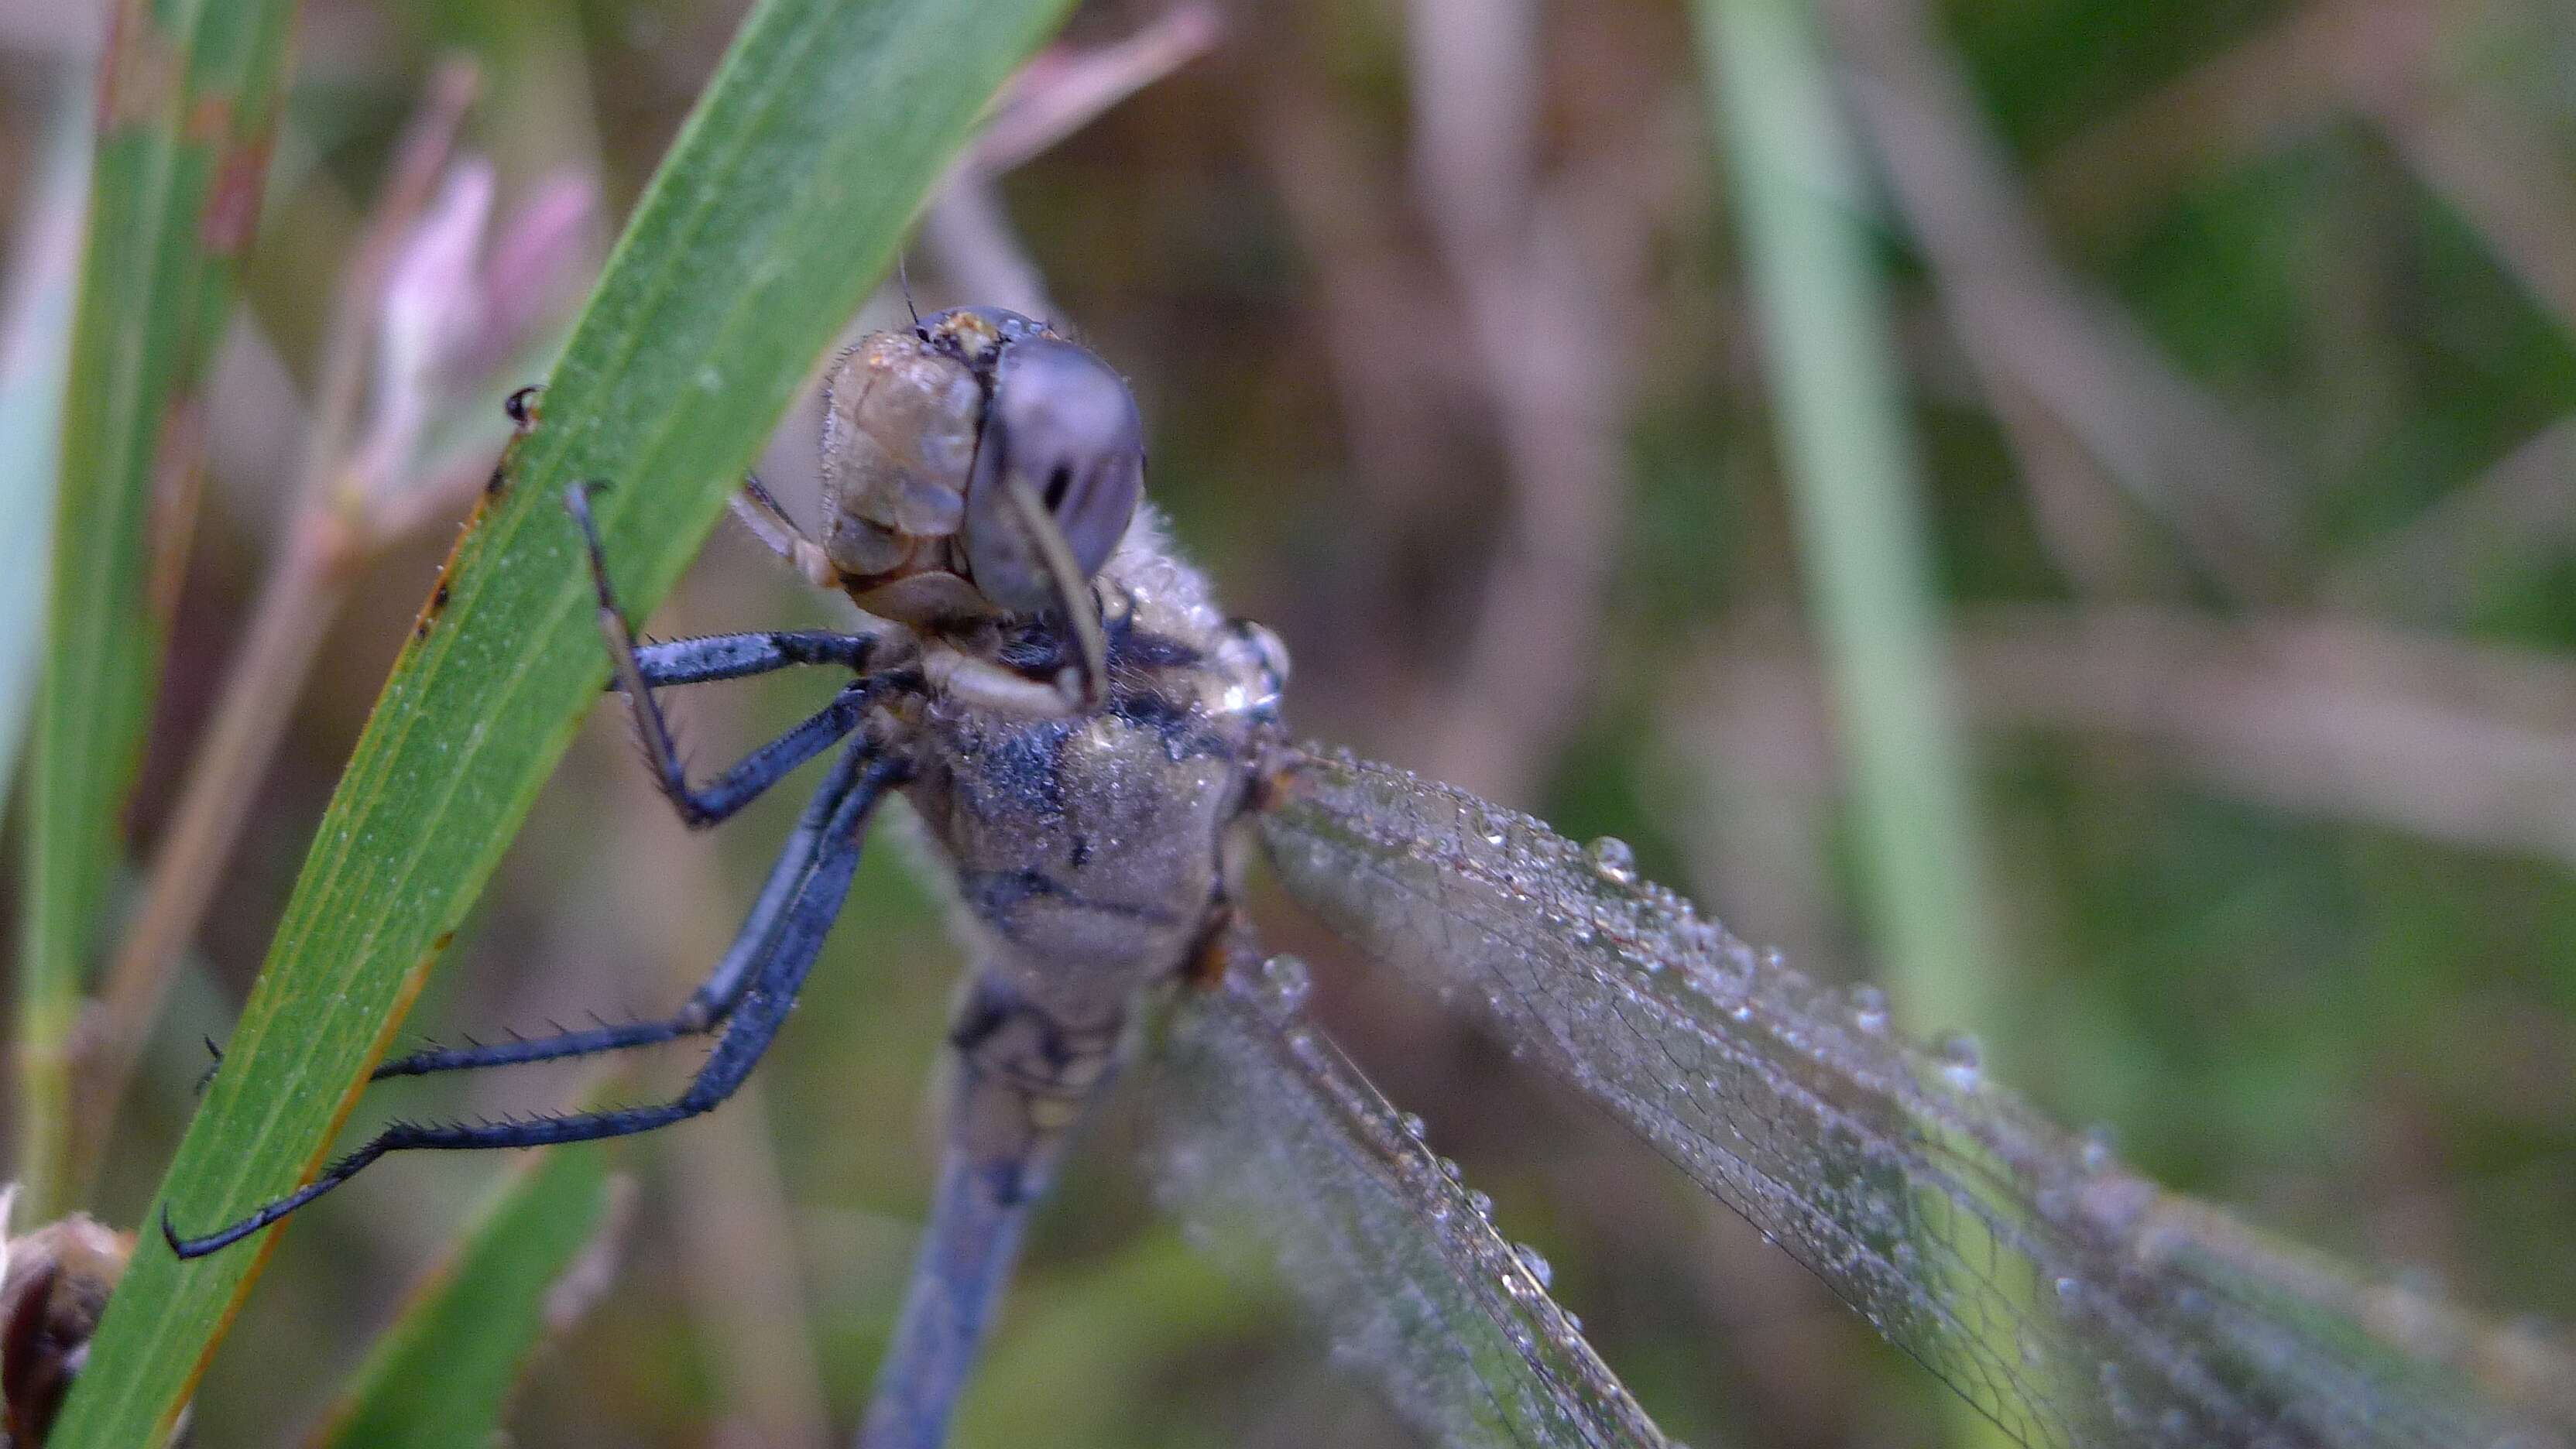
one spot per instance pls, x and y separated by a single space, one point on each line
1065 424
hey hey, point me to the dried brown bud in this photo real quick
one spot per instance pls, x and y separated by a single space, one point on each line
53 1288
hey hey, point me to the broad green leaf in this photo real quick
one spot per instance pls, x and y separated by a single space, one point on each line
187 102
441 1375
779 205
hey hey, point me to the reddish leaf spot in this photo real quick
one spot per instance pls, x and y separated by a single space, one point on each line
140 71
232 206
209 121
437 603
174 499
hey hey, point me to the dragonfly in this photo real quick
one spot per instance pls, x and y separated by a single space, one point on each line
1098 755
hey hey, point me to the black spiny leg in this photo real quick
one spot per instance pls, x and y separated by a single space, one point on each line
715 998
757 771
724 657
754 1024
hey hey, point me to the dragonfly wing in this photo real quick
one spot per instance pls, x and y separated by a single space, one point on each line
2071 1301
1266 1128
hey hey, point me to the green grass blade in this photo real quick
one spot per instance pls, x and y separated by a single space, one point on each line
1864 533
1830 351
442 1373
35 353
187 102
779 204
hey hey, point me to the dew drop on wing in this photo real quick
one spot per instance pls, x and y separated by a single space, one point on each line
1265 1137
1612 860
1904 1179
1286 982
1538 1266
1869 1010
1963 1062
2098 1155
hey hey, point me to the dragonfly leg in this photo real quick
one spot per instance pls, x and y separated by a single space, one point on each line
1025 1079
736 656
758 771
723 989
747 1034
757 511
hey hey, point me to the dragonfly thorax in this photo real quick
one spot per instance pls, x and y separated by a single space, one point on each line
1087 850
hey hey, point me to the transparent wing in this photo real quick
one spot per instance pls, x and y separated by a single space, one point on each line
1266 1130
2071 1301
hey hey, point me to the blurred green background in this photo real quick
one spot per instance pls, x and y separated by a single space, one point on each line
2237 345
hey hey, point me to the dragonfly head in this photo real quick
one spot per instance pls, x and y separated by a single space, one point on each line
976 464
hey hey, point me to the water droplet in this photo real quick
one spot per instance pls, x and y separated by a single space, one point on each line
1962 1060
1285 980
1612 860
2097 1155
1413 1125
1483 1204
1449 1168
2069 1290
1492 835
1869 1010
1536 1265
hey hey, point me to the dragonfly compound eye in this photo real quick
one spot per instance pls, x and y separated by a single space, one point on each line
1062 423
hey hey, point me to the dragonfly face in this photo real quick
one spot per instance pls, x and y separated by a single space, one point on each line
932 436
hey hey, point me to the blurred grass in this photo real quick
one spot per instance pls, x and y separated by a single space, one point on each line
35 334
768 221
1829 349
1853 478
186 109
442 1372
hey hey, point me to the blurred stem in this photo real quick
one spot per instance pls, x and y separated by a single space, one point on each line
1856 488
35 338
1862 525
979 253
1537 308
330 540
1056 94
187 96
